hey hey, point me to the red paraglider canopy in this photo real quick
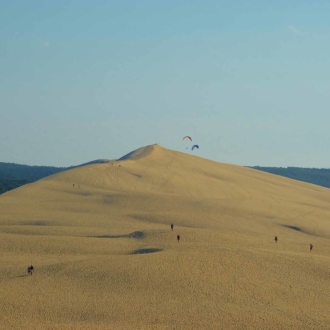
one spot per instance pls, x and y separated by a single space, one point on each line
187 137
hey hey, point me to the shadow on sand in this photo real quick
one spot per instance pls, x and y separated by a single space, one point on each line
20 276
293 228
148 250
135 234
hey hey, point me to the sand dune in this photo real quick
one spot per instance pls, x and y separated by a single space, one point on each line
105 257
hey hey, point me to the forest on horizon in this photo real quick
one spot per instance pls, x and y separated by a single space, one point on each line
15 175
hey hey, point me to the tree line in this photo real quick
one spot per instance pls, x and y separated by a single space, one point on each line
15 175
318 176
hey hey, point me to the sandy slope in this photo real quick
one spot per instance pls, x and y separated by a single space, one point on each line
88 243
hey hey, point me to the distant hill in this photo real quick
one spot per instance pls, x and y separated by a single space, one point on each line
14 171
15 175
6 185
318 176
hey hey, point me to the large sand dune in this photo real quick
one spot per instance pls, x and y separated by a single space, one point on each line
105 257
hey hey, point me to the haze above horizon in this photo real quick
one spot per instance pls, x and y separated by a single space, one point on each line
247 81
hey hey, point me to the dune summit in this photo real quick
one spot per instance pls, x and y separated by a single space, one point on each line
105 257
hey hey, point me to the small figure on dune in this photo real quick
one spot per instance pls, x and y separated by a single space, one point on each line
310 247
172 226
73 185
275 239
30 270
178 238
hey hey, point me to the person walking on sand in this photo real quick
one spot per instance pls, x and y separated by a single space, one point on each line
30 270
275 239
178 238
310 247
172 226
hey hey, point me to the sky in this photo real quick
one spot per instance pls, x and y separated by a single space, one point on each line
249 81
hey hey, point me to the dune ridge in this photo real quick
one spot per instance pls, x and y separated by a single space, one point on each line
99 237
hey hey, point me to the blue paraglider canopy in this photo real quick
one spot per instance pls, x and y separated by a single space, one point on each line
194 146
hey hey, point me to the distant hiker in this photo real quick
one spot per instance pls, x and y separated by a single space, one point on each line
73 185
310 247
30 270
172 226
275 239
178 238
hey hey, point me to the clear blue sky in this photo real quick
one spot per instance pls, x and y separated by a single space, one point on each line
248 80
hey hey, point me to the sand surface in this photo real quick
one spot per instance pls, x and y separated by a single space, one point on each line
105 257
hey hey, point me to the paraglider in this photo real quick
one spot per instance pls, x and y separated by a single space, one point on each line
187 137
194 146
